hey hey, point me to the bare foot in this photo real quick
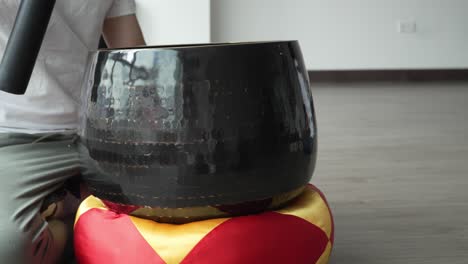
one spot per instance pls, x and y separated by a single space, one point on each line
54 211
58 233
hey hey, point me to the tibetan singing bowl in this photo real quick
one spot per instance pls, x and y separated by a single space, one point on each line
197 131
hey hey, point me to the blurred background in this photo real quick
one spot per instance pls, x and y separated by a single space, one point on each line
390 84
335 34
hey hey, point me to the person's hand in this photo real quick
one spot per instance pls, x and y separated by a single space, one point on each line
123 31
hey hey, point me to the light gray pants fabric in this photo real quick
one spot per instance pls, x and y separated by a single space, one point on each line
31 167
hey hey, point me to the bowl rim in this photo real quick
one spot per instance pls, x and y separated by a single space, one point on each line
196 45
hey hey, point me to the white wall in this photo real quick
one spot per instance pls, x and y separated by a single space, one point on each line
174 21
352 34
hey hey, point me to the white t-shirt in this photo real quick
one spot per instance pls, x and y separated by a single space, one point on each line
52 99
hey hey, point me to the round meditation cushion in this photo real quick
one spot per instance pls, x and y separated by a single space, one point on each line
301 232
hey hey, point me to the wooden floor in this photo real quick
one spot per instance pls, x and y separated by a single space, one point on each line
393 162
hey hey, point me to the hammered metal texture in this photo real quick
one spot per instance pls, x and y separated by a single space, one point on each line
197 125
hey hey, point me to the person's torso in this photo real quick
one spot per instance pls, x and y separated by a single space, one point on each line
52 97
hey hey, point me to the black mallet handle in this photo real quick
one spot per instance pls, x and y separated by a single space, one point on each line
24 44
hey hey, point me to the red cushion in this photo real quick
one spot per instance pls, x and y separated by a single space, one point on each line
299 233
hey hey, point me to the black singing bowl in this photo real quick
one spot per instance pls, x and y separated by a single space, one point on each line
198 125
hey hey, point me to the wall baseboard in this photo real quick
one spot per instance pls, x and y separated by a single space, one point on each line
389 75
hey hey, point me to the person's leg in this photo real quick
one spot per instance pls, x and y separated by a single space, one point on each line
31 168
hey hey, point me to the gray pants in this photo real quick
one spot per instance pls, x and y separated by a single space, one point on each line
31 167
